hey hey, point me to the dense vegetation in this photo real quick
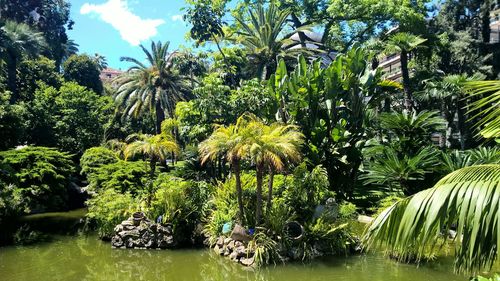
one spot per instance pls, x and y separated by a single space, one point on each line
278 124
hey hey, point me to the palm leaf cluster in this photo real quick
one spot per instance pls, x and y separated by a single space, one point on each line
261 33
268 147
467 200
153 88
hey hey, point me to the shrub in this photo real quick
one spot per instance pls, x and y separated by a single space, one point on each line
179 202
122 176
41 174
108 209
95 157
11 201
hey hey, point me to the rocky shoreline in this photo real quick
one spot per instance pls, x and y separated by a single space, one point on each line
143 235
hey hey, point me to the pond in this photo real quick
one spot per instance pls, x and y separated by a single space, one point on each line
84 257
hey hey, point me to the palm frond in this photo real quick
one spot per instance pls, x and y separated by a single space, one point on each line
468 198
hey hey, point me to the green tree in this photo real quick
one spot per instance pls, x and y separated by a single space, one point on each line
33 72
51 18
229 143
156 87
72 117
261 33
271 148
157 148
20 40
12 122
404 44
330 104
83 70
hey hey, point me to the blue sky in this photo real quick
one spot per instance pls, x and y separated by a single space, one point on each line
114 28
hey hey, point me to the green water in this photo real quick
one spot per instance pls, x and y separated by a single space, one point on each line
86 258
71 257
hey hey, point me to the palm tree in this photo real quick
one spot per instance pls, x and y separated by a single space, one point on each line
449 92
100 61
270 148
157 148
486 107
156 87
18 40
413 130
404 43
229 142
262 37
468 198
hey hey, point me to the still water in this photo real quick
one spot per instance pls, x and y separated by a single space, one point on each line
84 257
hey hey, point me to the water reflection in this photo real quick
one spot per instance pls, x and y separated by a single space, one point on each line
86 258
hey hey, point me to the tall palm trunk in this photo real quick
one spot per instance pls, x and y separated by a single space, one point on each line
152 167
239 192
160 116
12 76
270 190
258 205
406 80
462 126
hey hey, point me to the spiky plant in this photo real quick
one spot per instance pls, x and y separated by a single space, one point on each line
468 198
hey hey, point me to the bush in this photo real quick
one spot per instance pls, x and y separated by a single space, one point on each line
41 175
122 176
179 202
95 157
108 209
11 201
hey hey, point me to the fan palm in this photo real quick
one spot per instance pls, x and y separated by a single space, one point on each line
18 40
271 147
156 87
401 174
157 148
404 43
229 142
412 129
487 107
468 198
261 35
449 93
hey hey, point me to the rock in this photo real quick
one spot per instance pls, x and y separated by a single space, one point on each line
247 261
238 243
118 228
233 256
241 251
129 234
117 241
220 242
130 243
227 240
230 245
239 233
127 222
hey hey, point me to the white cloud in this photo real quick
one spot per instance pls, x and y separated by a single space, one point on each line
132 28
177 18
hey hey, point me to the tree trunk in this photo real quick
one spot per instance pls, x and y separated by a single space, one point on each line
239 192
270 190
258 205
462 126
152 166
406 81
297 24
160 116
12 77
